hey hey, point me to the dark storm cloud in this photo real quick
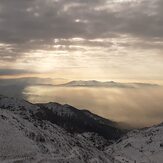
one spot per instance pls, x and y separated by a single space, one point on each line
13 72
33 24
144 20
22 20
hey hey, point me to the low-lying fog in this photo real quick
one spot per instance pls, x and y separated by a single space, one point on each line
138 107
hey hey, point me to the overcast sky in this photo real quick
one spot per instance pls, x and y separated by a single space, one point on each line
82 39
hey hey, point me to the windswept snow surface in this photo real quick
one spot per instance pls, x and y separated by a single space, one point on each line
139 146
25 138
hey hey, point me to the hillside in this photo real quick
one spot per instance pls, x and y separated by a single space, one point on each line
55 133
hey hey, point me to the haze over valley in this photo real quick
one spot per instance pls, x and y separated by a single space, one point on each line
120 102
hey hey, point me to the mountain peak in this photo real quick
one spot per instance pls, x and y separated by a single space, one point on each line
65 116
95 83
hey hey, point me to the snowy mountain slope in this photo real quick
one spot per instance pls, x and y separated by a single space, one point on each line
100 119
78 121
94 83
65 116
41 141
35 141
16 104
26 138
139 146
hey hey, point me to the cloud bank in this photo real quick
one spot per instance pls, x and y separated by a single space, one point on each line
115 37
135 107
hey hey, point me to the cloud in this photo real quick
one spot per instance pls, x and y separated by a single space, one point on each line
24 21
44 32
139 108
13 71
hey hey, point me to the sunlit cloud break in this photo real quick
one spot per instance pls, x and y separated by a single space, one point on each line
120 39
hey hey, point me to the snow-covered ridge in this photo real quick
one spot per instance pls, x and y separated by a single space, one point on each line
65 116
26 138
139 146
15 103
78 121
62 110
29 133
95 83
27 141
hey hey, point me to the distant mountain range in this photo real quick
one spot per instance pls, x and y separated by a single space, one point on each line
95 83
55 133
